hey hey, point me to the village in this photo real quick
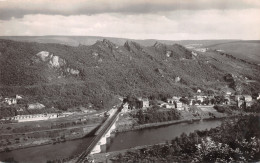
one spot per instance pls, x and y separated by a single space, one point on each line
38 111
200 100
13 109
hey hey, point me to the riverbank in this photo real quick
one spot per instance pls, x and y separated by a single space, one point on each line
108 156
190 147
186 118
47 141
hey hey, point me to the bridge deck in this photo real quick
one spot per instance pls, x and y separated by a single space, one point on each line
95 140
105 123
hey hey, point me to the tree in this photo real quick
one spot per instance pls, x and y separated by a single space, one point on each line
213 101
206 101
184 100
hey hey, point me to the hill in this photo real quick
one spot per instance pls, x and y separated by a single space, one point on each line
247 50
90 40
66 76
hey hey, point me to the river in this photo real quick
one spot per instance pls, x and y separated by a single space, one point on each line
120 141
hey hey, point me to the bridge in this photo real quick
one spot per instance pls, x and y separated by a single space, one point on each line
98 143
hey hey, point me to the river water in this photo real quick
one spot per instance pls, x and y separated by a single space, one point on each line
120 141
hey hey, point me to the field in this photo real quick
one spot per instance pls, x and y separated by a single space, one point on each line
247 50
19 135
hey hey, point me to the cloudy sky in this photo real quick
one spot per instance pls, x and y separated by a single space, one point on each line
137 19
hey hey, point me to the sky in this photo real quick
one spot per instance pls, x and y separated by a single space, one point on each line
135 19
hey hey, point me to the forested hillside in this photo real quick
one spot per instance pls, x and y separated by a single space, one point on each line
65 76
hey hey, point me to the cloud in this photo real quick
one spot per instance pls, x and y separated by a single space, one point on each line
172 25
19 8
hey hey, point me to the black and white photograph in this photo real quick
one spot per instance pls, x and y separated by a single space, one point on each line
129 81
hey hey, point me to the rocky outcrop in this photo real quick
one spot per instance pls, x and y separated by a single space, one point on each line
133 46
55 62
177 79
72 71
106 44
43 55
168 53
159 45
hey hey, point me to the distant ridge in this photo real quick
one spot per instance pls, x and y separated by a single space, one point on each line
90 40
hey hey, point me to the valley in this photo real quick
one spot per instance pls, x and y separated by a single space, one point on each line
54 92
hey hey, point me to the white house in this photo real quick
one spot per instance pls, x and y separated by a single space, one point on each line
248 98
258 97
10 101
125 108
144 102
170 106
178 104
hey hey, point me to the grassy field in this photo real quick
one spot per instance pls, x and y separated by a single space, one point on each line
19 135
247 50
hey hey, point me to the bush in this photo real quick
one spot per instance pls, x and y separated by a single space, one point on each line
220 109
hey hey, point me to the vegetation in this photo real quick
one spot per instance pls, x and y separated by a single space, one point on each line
225 108
7 112
254 108
235 141
152 115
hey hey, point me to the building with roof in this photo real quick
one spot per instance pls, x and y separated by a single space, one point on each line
144 102
258 97
170 100
248 98
125 108
10 101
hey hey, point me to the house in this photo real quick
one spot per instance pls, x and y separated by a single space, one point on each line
178 105
34 117
170 106
200 98
240 103
20 109
161 103
192 100
248 98
228 93
258 97
125 108
11 101
176 98
18 97
170 100
238 97
144 102
249 104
